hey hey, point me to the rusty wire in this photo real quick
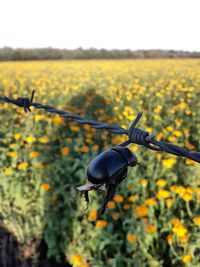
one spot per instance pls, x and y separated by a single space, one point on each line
135 135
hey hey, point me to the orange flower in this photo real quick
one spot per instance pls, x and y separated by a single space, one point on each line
40 166
84 149
183 239
111 204
169 239
101 224
141 211
150 202
45 187
131 238
64 151
22 166
126 207
118 198
150 228
92 215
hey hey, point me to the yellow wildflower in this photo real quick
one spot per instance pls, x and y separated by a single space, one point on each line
144 182
186 258
44 140
161 183
150 202
8 171
196 220
162 194
132 198
22 166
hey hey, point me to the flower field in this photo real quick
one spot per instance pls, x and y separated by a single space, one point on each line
154 219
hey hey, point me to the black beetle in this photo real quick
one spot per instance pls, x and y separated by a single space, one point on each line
107 170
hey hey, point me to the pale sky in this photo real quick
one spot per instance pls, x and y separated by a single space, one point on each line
121 24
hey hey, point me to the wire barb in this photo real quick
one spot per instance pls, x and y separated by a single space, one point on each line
135 135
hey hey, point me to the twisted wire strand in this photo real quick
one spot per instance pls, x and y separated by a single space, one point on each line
135 135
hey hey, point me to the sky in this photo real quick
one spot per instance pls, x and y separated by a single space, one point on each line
109 24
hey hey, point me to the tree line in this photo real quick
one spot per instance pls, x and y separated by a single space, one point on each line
8 53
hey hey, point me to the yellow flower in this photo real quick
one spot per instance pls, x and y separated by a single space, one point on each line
161 183
64 151
131 238
144 182
30 139
180 231
118 198
162 194
132 199
22 166
168 163
150 228
187 197
8 171
77 260
150 202
101 224
34 154
45 187
169 202
196 220
92 215
111 204
186 258
44 140
12 154
141 211
17 136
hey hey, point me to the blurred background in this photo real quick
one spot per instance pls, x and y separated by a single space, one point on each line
108 61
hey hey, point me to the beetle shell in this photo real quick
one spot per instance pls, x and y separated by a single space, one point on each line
110 164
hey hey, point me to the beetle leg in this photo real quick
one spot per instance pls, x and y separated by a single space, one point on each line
109 196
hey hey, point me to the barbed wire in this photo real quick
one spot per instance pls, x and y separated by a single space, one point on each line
135 135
